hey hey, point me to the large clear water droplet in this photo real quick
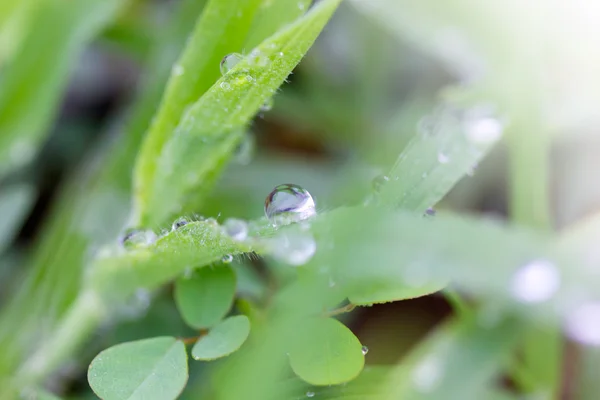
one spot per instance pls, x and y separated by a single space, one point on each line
535 282
179 222
230 61
293 248
583 324
137 237
289 203
236 229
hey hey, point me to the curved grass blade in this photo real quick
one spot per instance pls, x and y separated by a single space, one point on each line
34 80
222 29
450 146
212 127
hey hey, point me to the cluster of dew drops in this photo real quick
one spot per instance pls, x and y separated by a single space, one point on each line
284 205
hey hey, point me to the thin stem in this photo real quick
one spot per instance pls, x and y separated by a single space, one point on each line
82 318
529 205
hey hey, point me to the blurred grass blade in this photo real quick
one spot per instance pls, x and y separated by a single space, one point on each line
458 361
450 145
73 228
271 16
222 29
15 202
211 128
35 79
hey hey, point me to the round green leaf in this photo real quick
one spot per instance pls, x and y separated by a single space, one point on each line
205 297
327 353
223 339
150 369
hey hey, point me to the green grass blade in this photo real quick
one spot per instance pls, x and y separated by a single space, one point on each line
15 202
457 362
449 147
271 16
33 82
212 127
222 29
55 275
198 244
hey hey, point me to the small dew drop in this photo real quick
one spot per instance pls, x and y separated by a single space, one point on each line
379 182
281 54
483 131
427 375
289 203
583 324
236 229
310 394
267 105
301 6
178 70
249 78
443 158
230 61
293 248
211 221
179 223
430 212
137 237
535 282
225 86
365 350
245 151
227 259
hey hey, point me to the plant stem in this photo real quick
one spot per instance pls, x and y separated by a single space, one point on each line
82 318
529 205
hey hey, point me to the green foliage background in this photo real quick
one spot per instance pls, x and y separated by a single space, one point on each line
380 118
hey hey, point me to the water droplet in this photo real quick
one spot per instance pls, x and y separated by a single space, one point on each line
301 5
379 182
280 54
427 375
443 158
178 70
188 272
249 78
236 229
583 324
310 394
245 150
535 282
179 223
211 222
365 350
293 248
230 61
484 130
225 86
289 203
136 306
430 212
227 259
137 237
267 105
